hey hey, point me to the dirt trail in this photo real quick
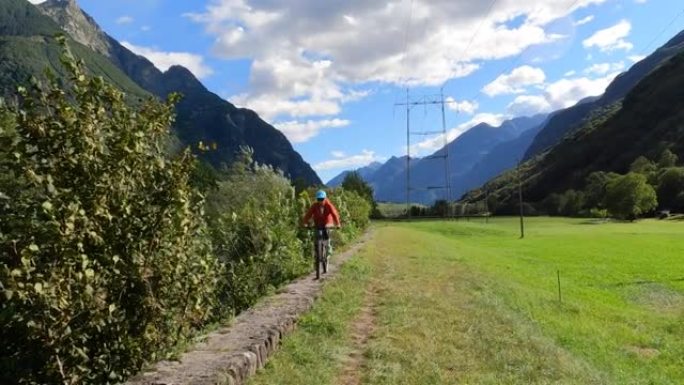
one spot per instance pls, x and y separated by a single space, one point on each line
361 331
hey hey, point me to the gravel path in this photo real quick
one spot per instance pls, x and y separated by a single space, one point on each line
232 353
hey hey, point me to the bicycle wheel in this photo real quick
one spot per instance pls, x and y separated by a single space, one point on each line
325 257
317 259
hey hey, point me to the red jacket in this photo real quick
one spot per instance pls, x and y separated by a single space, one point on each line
323 213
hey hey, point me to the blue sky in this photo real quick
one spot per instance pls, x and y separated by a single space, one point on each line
328 73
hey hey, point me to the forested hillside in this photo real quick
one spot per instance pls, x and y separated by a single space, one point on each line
566 121
620 139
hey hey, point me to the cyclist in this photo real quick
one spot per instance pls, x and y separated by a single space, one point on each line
324 216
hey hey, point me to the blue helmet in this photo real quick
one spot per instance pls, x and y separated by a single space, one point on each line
320 194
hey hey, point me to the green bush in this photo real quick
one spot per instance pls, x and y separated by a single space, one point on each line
104 261
670 189
253 218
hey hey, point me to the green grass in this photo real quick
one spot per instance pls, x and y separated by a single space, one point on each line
315 352
468 302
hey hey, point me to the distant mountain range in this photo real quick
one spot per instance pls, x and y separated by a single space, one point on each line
27 47
465 152
365 172
554 147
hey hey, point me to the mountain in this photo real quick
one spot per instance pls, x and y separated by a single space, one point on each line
366 174
201 114
389 181
28 48
504 156
464 153
648 120
570 119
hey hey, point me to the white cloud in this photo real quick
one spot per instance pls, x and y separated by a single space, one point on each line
561 94
604 68
36 1
527 105
567 92
307 54
125 20
570 73
585 20
436 142
298 132
611 39
164 60
145 28
636 58
516 81
338 154
346 162
465 106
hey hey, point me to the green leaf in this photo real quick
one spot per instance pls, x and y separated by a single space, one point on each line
47 206
9 294
38 287
33 247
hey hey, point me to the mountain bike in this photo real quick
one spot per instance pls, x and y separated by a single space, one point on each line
321 242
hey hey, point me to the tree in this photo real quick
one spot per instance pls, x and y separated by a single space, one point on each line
553 204
667 159
300 184
492 203
104 258
570 203
629 196
354 182
574 203
440 208
595 189
643 165
671 188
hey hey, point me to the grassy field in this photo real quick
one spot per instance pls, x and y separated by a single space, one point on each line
470 303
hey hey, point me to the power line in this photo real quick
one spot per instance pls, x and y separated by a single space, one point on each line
477 96
662 31
406 41
479 27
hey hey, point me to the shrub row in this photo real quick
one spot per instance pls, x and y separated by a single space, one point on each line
108 258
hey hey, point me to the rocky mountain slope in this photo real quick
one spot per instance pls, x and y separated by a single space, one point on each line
27 47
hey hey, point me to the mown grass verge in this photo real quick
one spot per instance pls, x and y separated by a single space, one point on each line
314 353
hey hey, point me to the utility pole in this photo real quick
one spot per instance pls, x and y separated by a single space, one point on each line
486 205
520 203
408 156
446 154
